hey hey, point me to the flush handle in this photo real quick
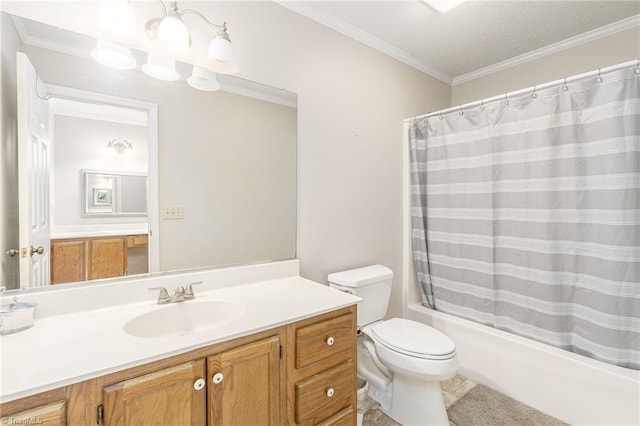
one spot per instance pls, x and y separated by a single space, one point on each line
330 341
217 378
199 384
330 392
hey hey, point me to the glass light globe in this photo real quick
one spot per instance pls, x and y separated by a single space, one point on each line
113 55
117 18
161 68
173 33
220 56
203 79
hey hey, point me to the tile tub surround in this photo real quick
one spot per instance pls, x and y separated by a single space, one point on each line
85 339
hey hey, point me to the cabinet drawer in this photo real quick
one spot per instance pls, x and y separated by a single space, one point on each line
332 339
137 241
325 394
346 417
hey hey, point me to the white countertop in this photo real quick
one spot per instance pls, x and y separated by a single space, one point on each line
65 349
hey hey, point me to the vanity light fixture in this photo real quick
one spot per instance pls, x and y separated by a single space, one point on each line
119 146
173 35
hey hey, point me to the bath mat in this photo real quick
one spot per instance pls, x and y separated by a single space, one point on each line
482 406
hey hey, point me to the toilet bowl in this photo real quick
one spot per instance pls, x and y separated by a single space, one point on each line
417 357
402 360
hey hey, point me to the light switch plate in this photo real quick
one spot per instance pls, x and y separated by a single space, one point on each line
172 212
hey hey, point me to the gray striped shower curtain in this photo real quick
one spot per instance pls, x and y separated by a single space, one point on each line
526 215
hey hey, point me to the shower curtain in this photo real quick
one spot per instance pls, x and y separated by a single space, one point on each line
526 215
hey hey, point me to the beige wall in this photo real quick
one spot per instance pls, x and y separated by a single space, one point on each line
9 267
611 50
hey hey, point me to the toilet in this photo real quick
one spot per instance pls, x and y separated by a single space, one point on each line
403 361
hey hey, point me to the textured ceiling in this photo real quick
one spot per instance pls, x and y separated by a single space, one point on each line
474 35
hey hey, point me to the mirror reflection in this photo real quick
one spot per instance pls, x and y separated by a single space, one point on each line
107 193
213 173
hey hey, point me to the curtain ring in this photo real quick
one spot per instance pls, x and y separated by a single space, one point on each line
637 70
534 94
506 99
481 104
599 79
564 85
440 117
461 112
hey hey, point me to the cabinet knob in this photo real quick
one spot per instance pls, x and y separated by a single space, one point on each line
330 392
330 341
199 384
217 378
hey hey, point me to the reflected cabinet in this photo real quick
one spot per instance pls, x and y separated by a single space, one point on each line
81 259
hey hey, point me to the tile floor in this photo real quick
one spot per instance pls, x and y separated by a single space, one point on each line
452 390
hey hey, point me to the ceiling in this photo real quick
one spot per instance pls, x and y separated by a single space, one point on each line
460 44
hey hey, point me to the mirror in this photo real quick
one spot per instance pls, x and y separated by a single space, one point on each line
221 186
114 194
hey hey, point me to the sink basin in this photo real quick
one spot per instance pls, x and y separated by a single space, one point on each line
179 319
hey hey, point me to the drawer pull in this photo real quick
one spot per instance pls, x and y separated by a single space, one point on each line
217 378
330 341
330 392
199 384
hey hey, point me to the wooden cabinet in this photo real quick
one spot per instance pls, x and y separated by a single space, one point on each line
69 261
169 396
322 374
244 385
80 259
108 257
53 414
240 386
301 373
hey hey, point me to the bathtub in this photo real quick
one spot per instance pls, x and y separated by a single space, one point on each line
573 388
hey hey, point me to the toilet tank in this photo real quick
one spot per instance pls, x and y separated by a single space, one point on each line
372 284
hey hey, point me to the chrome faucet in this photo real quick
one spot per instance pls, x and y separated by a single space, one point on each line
180 295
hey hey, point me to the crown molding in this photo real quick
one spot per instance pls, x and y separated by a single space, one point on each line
607 30
363 37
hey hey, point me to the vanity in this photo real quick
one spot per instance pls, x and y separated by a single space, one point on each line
278 349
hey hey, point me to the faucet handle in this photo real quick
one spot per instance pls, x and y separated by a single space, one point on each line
188 293
163 297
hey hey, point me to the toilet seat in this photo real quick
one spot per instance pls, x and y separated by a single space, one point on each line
413 339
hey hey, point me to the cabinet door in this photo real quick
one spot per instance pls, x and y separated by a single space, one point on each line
243 385
108 257
166 397
49 415
68 261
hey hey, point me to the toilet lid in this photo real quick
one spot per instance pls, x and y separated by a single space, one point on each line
414 339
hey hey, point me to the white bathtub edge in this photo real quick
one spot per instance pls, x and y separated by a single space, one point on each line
570 387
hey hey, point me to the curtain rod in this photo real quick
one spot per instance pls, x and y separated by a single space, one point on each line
530 89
